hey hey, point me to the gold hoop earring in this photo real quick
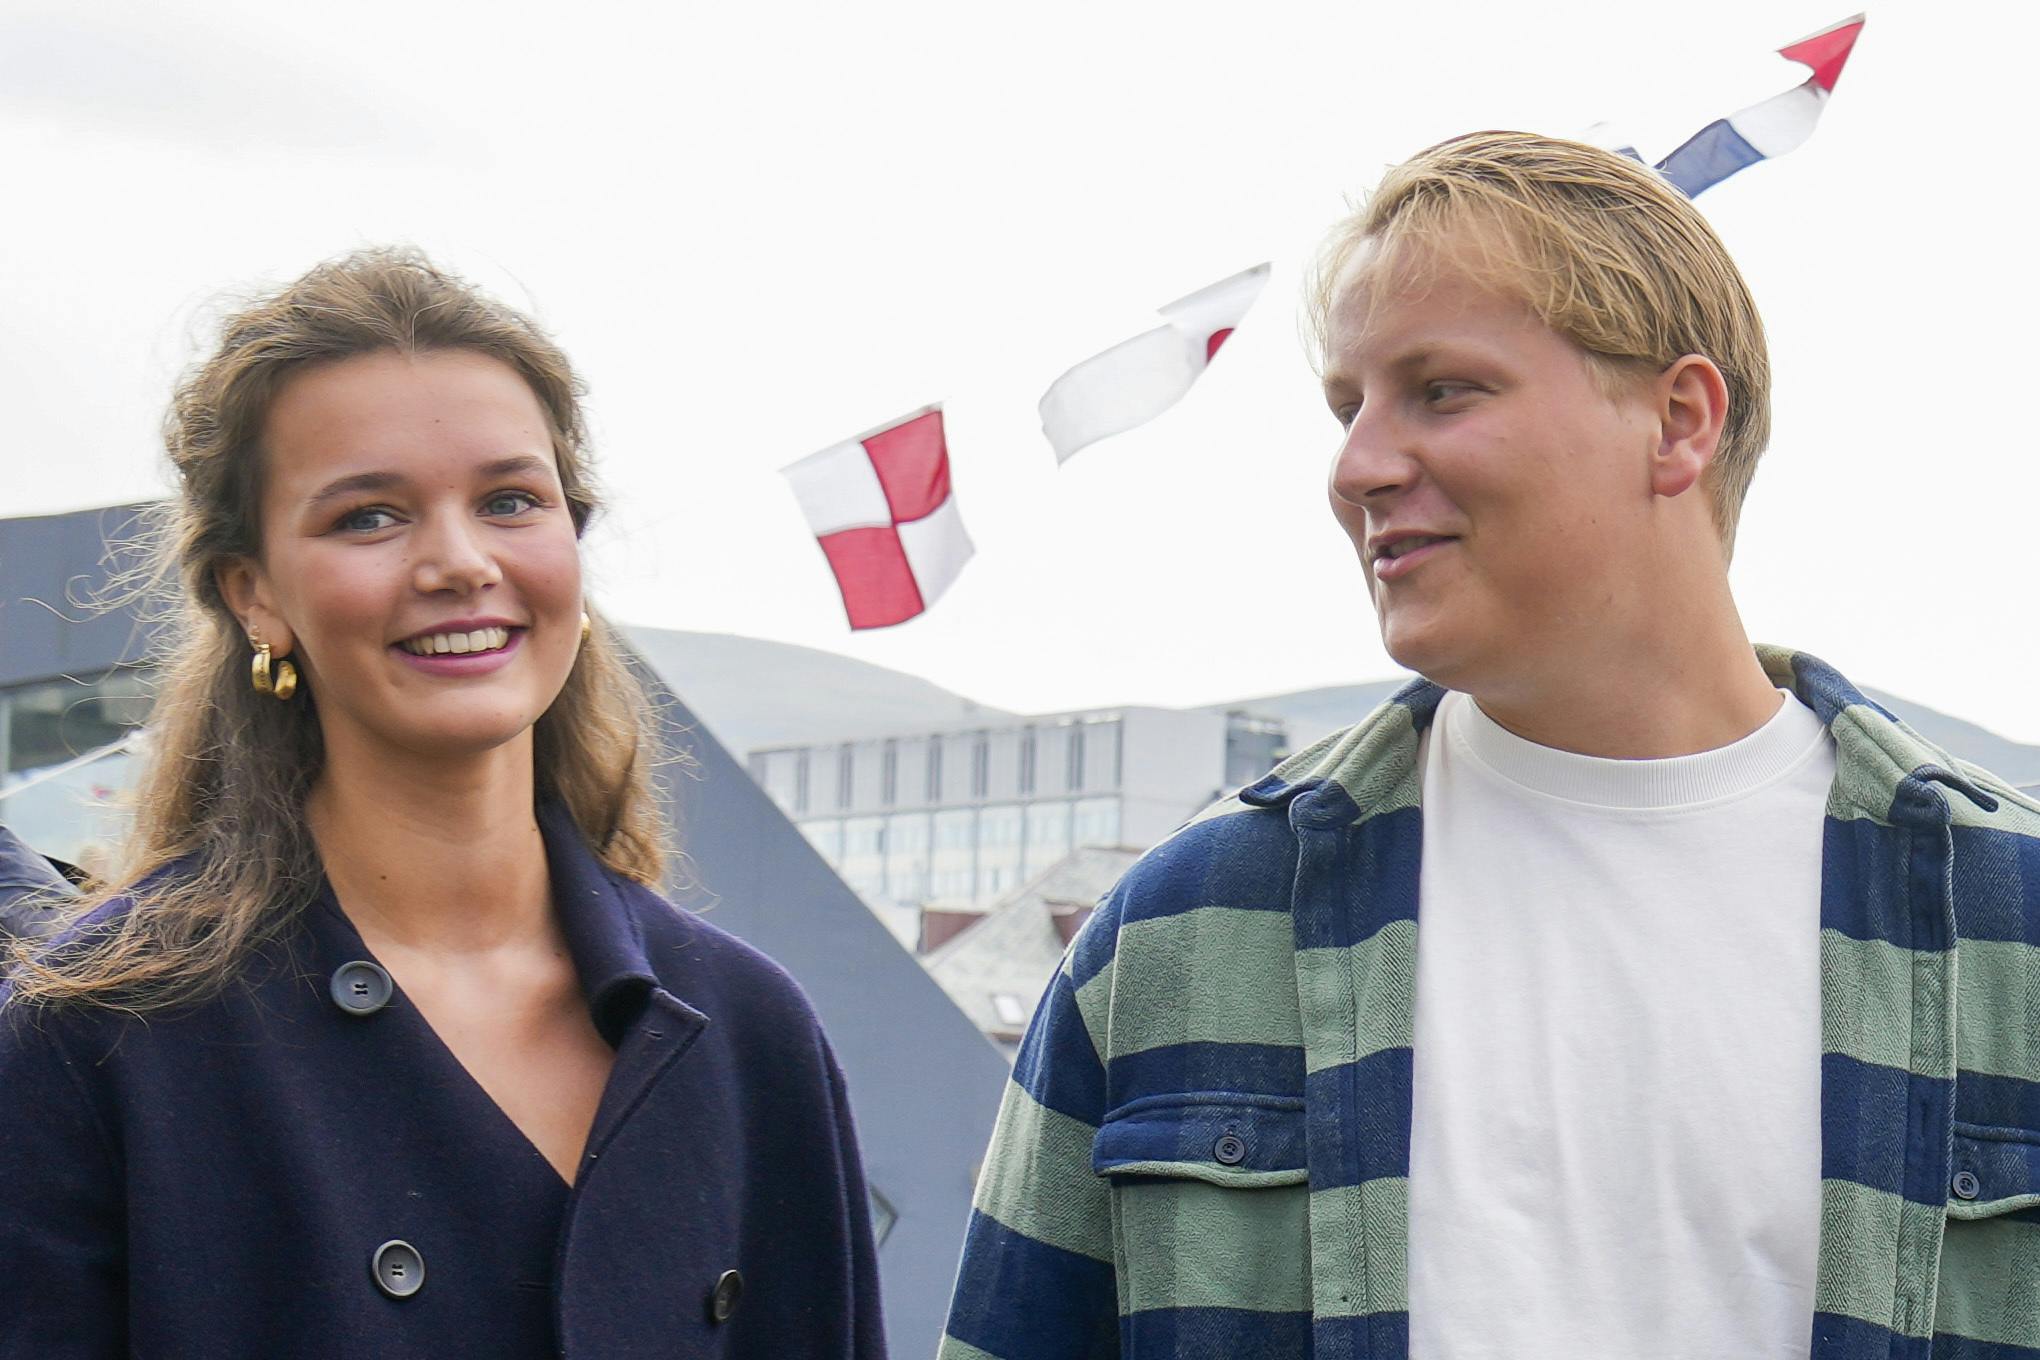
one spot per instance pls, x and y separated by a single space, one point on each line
587 627
279 683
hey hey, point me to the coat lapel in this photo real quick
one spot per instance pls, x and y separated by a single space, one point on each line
602 919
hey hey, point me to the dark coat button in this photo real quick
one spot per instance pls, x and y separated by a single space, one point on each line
1230 1149
361 987
398 1269
722 1300
1967 1186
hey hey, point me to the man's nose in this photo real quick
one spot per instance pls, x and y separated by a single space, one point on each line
1374 462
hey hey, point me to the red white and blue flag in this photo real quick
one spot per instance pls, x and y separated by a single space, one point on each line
1138 379
1772 128
882 508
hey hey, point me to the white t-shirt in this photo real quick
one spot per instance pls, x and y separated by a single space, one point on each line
1615 1149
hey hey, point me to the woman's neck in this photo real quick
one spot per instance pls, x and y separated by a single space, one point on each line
434 854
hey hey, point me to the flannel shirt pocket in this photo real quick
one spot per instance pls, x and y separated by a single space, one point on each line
1996 1171
1222 1138
1210 1213
1990 1250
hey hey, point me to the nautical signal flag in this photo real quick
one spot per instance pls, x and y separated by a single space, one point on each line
882 508
1771 128
1138 379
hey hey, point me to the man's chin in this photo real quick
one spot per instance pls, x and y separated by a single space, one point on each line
1434 650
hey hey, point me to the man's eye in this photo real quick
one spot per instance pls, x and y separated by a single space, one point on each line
1438 393
510 503
1345 415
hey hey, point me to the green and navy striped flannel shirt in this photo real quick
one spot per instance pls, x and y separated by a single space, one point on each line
1204 1149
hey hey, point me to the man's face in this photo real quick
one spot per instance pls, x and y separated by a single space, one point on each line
1496 492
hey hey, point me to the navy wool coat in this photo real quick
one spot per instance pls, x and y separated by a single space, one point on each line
221 1181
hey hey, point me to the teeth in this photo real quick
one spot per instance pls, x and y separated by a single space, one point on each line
440 644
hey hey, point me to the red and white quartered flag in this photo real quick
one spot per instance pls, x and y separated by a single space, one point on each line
882 508
1138 379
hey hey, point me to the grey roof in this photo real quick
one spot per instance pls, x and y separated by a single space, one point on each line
52 568
1015 950
924 1084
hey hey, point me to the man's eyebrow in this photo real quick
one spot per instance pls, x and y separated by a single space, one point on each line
356 483
1416 356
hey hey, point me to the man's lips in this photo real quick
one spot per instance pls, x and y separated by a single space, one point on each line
1395 558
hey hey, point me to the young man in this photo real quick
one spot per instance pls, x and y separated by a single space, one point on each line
1685 1065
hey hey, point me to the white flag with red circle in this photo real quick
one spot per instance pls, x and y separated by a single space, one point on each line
1138 379
882 508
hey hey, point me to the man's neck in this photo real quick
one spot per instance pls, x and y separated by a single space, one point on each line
1684 680
434 855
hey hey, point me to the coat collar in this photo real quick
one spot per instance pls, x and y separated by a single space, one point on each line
604 934
601 916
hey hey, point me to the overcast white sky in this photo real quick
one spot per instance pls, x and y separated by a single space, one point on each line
762 228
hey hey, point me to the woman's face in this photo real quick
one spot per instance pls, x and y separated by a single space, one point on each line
419 561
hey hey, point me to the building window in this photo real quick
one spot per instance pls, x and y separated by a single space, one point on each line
1026 760
934 769
800 781
980 765
889 774
1096 822
1075 768
826 836
845 755
49 723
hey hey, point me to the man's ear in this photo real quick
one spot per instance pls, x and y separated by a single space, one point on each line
245 588
1692 409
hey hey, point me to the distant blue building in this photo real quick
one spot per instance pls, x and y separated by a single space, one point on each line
924 1083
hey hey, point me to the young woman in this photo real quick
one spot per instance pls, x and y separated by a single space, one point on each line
386 1044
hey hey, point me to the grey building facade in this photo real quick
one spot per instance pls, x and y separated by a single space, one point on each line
969 814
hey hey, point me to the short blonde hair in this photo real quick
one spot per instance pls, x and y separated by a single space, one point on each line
1603 250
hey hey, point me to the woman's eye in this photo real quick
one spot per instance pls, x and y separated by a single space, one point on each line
510 503
366 520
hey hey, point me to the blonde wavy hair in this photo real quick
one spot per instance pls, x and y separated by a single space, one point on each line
220 860
1600 248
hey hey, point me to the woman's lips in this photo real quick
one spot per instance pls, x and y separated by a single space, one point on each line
458 664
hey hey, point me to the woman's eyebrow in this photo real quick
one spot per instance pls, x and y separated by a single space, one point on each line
521 463
355 483
351 485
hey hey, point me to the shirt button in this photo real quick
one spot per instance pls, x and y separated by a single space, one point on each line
1967 1186
722 1300
361 987
398 1269
1230 1149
